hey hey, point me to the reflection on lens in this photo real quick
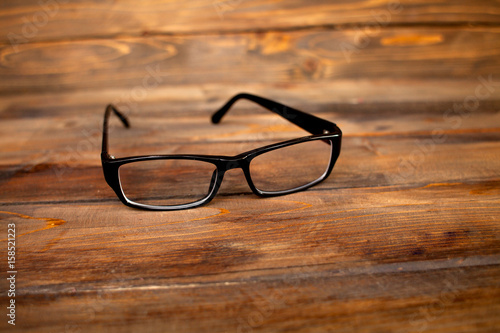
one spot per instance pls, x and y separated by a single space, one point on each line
167 182
291 167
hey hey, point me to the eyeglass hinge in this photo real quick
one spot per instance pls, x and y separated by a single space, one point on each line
111 157
326 131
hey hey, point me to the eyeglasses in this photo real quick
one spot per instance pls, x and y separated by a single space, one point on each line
173 182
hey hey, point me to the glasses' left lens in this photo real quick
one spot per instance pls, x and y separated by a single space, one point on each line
167 182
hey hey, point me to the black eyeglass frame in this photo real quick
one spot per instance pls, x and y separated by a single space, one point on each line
320 129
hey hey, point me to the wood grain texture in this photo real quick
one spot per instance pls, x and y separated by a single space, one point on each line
402 237
272 58
376 159
375 247
34 21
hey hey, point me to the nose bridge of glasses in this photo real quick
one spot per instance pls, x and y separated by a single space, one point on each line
234 163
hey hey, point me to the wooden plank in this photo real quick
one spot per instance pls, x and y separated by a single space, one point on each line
345 228
404 236
29 122
272 58
33 21
333 302
364 161
378 150
369 256
360 252
366 96
247 123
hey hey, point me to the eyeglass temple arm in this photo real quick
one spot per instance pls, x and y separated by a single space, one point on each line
308 122
110 108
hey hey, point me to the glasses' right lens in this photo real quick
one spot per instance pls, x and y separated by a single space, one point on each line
167 182
291 167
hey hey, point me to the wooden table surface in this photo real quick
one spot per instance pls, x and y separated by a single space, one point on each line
404 236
